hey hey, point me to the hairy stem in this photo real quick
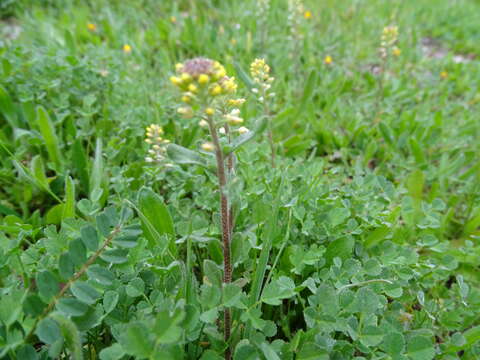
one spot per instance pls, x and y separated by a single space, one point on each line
226 232
70 282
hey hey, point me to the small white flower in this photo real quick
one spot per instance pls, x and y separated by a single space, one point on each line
243 130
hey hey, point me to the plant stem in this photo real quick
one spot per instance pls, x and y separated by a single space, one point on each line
224 214
74 278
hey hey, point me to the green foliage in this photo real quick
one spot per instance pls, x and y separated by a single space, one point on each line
362 243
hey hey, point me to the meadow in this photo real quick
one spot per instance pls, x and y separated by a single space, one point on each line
257 179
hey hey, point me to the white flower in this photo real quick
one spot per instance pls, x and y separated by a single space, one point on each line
243 130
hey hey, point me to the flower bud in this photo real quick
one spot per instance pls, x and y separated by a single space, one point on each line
208 146
203 79
243 130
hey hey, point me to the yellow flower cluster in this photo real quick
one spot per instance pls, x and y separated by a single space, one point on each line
388 40
202 76
157 143
204 83
260 72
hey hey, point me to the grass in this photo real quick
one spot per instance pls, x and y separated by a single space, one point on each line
361 242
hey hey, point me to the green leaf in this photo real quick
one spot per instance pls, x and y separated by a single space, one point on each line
213 272
80 163
71 335
69 204
245 351
310 86
260 126
49 136
472 336
77 252
211 355
210 296
338 216
96 176
89 237
26 352
371 336
48 331
71 307
268 234
7 108
33 305
167 329
110 300
135 288
341 248
415 183
100 274
113 352
115 256
85 293
420 348
184 156
209 316
126 241
47 285
38 170
277 290
243 76
393 343
366 301
232 295
269 352
156 220
376 236
136 340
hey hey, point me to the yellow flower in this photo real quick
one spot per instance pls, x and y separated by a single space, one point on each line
175 80
186 99
91 27
259 69
220 73
396 51
307 14
127 49
178 66
444 74
208 146
186 78
216 90
229 85
328 60
203 79
192 88
233 41
232 118
173 19
236 102
209 111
